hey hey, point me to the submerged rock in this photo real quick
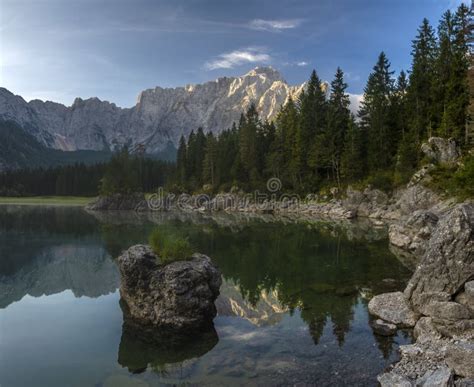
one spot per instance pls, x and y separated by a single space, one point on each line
131 202
178 296
383 328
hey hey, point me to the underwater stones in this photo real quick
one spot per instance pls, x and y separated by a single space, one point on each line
383 328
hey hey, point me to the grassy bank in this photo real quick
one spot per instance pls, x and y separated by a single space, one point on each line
47 200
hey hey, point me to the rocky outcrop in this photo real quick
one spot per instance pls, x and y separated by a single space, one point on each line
393 308
160 116
440 150
440 297
175 297
449 260
124 202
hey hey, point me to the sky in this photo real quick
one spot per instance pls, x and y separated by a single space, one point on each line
112 49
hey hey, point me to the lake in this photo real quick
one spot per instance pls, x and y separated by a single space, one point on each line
292 310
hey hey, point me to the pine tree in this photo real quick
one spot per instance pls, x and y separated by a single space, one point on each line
420 91
352 159
248 128
458 87
210 161
313 110
337 124
181 161
375 114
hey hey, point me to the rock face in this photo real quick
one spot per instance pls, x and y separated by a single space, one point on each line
131 202
177 297
159 117
441 150
449 260
441 292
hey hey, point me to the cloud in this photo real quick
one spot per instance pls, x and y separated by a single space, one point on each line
302 63
274 25
238 57
355 100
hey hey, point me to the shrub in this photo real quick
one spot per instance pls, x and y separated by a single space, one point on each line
170 247
455 181
382 180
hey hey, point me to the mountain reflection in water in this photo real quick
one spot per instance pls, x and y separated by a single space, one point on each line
292 306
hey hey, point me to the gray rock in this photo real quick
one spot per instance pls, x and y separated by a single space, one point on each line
178 296
442 377
446 310
425 329
393 307
469 288
449 259
455 329
394 379
443 151
416 197
460 357
464 382
119 202
383 328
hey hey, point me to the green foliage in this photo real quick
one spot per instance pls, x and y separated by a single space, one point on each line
170 247
316 143
455 181
83 180
382 180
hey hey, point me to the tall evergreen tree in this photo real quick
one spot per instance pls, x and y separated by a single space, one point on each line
375 115
420 92
181 161
313 110
248 128
352 159
338 118
210 160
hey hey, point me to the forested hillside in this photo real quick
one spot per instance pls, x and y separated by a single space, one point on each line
316 142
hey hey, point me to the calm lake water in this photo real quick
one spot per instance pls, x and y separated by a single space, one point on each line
293 305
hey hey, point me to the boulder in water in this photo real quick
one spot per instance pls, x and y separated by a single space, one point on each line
176 297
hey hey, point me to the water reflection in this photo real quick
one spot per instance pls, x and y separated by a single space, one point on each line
141 348
292 305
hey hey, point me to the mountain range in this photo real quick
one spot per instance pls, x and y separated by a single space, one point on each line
157 121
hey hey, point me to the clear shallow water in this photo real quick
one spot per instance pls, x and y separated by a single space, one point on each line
293 306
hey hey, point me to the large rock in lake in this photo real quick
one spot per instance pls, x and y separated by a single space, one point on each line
176 297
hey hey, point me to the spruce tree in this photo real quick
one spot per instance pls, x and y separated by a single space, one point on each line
375 114
337 123
313 110
181 161
420 92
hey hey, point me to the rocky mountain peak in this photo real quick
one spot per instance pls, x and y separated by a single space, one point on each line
267 71
161 114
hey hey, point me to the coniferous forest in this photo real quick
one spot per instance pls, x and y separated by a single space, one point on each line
315 142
